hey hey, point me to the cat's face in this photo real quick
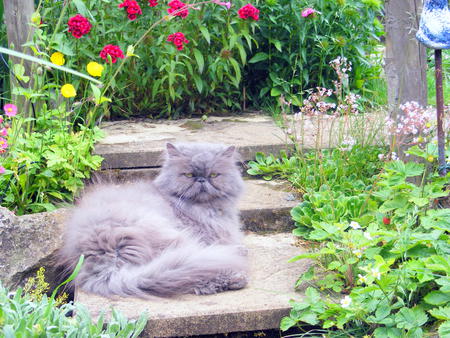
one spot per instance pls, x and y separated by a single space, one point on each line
201 172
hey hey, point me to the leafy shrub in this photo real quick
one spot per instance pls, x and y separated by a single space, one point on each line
226 61
391 260
22 317
294 51
346 171
47 165
205 75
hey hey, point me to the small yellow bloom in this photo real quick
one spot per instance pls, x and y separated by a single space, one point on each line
57 58
94 69
68 90
430 158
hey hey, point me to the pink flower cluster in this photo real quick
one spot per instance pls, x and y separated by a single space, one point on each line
249 11
308 12
316 103
415 121
178 8
132 7
113 51
153 3
79 26
178 39
10 111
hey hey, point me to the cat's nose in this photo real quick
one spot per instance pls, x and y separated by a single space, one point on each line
201 179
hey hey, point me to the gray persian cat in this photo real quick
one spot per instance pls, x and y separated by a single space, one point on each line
178 234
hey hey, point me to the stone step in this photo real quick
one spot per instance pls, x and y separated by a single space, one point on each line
259 306
265 206
134 144
139 144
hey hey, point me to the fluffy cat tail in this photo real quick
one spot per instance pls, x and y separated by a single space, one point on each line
179 270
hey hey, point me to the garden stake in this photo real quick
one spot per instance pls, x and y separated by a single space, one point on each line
440 112
434 32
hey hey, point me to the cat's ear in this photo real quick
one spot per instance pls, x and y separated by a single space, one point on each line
172 151
229 152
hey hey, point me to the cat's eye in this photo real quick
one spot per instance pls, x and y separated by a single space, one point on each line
213 175
189 175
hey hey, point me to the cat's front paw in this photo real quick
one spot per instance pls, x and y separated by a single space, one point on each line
237 281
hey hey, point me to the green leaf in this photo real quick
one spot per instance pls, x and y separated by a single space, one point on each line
198 83
200 60
442 313
286 323
313 295
258 57
408 318
97 92
205 34
275 92
81 8
308 317
437 298
444 329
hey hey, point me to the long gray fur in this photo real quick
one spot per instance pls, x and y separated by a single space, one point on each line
175 235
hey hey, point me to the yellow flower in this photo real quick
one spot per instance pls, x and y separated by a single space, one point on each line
57 58
94 68
430 158
68 90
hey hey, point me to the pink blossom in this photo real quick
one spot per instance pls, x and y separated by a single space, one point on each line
4 132
2 169
1 119
308 11
10 109
221 3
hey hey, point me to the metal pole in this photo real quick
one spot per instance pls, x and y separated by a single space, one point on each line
440 112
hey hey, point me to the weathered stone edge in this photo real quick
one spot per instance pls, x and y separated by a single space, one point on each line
117 159
216 323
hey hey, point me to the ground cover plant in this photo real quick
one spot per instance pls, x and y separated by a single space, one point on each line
378 227
379 236
29 312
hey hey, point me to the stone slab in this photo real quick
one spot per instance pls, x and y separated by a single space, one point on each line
259 306
131 144
28 243
139 144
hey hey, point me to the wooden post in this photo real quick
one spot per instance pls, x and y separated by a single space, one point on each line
405 60
405 57
18 15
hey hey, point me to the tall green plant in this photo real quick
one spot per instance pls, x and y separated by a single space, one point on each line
295 47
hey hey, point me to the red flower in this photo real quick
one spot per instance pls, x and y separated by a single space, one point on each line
248 11
114 51
176 5
178 40
386 220
133 8
79 26
153 3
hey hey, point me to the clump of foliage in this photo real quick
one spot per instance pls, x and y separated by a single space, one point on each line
227 61
37 287
388 254
29 312
46 160
297 40
22 316
346 171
